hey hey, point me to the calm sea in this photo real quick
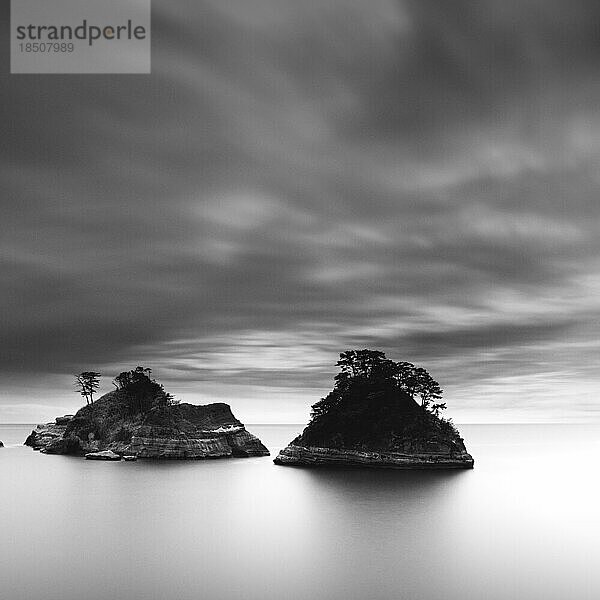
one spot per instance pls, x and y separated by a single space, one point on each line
524 524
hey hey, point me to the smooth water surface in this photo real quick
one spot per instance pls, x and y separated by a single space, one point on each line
524 524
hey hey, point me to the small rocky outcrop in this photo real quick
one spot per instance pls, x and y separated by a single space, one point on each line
131 422
103 455
371 419
1 445
64 420
43 435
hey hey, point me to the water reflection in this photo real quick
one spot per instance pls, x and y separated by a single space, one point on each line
522 524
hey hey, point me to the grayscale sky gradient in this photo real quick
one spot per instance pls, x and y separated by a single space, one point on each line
299 178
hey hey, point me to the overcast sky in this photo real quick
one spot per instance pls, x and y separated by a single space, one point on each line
299 178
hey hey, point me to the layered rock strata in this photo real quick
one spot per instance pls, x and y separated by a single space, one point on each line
45 434
333 457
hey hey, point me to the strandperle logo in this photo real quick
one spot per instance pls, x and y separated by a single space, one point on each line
85 31
80 36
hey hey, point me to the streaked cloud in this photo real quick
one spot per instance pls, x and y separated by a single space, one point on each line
295 179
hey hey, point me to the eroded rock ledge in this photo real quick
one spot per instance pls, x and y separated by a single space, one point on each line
294 455
45 434
164 442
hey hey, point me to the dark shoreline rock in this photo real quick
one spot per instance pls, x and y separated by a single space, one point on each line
181 432
437 446
1 445
300 456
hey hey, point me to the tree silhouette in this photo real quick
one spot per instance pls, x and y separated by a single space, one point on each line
87 383
371 368
139 376
144 393
418 383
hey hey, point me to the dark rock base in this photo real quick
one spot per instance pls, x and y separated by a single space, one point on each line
301 456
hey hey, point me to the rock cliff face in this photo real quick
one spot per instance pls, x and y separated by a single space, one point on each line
378 428
182 431
43 435
332 457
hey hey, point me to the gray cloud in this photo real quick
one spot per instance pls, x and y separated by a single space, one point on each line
293 180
